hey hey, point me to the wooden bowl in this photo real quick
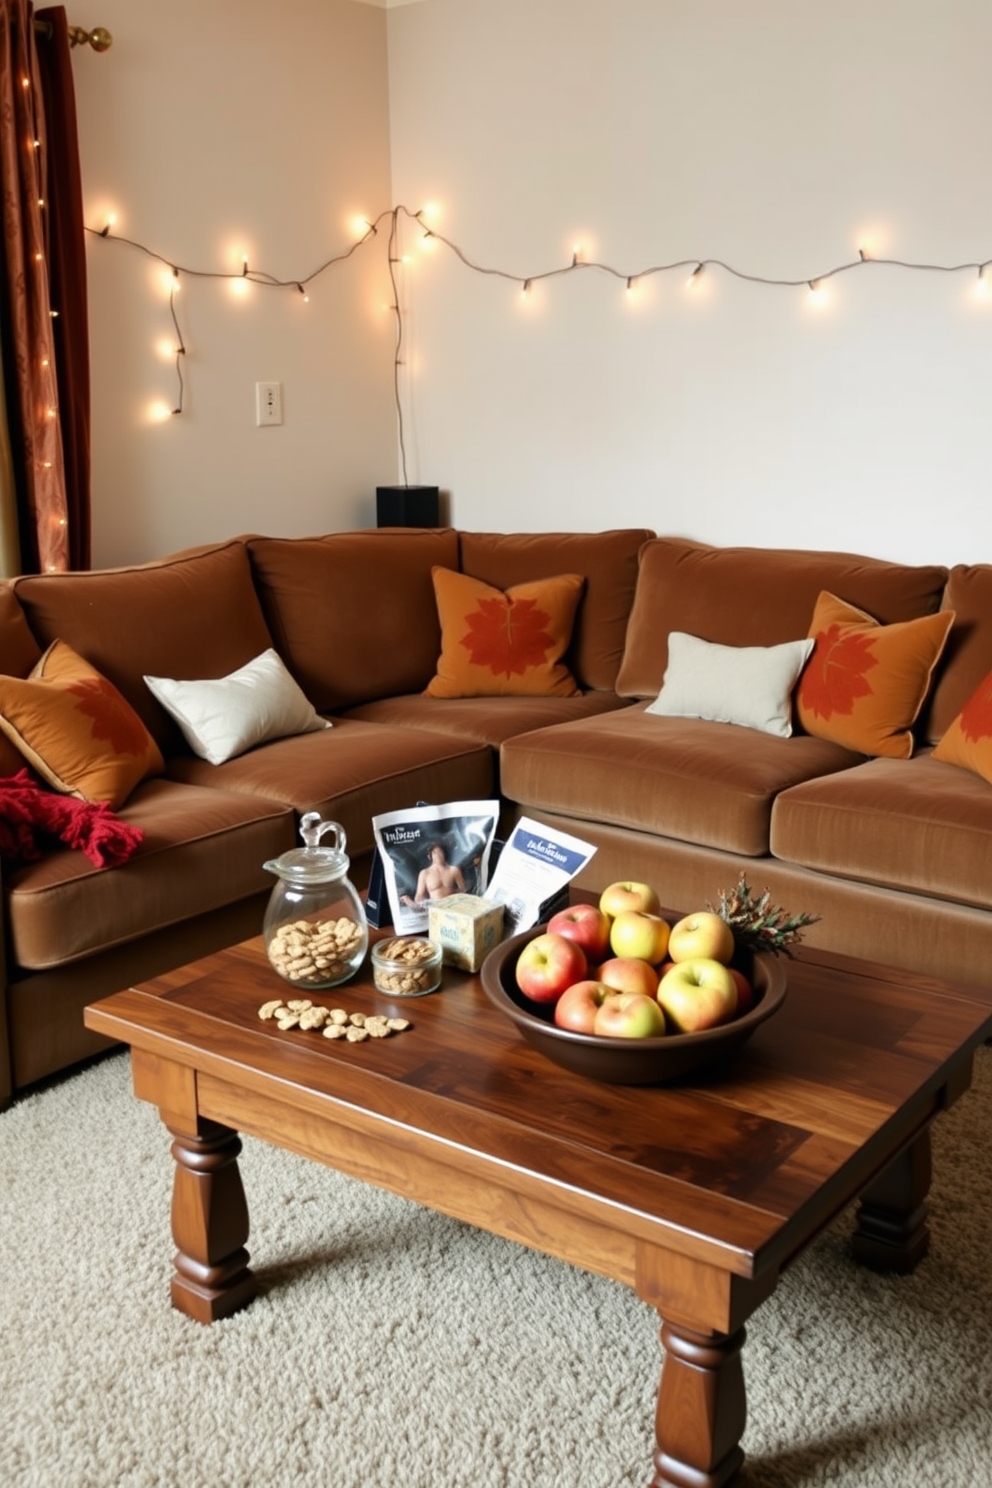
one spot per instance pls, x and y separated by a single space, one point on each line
650 1061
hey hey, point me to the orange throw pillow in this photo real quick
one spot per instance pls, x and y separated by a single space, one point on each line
497 643
76 729
968 741
865 682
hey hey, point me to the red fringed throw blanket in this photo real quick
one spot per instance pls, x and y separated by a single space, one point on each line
28 810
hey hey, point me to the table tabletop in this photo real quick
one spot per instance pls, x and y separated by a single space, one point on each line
740 1167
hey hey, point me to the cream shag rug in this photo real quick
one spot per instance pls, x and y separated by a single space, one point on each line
392 1346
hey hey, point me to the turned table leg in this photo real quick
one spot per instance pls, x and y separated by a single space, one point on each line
701 1409
892 1233
209 1224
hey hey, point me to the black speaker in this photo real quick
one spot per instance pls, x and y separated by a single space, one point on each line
406 506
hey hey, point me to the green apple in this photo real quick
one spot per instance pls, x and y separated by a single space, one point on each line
698 994
643 936
704 934
626 894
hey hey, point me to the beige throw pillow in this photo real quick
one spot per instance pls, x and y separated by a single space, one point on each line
747 685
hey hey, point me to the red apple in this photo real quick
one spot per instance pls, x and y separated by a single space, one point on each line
578 1005
547 965
617 897
628 974
698 994
643 936
588 926
703 934
630 1015
745 992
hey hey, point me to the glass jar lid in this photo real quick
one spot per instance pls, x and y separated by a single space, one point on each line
313 863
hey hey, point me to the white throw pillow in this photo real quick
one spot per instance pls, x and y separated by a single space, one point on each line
748 685
226 716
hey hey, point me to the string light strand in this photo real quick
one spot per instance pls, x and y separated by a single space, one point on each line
813 283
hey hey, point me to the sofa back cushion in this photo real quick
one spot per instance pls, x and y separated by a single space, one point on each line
192 615
755 597
353 614
19 652
967 656
606 560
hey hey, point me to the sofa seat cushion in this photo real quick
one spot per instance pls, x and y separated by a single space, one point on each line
202 850
712 784
485 720
351 773
913 824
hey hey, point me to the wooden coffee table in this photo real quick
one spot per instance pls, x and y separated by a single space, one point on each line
698 1197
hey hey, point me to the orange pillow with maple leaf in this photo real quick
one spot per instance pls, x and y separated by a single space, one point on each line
76 730
865 682
968 741
498 643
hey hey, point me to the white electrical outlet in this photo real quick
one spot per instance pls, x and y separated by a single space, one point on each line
268 403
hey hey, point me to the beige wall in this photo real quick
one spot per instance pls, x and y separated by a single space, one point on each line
778 135
212 126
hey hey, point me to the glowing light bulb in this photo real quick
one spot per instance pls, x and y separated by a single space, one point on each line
695 276
983 288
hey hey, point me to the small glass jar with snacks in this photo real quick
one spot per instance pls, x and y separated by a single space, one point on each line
315 929
406 966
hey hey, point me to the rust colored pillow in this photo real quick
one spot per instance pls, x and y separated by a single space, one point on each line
76 729
865 683
498 643
968 741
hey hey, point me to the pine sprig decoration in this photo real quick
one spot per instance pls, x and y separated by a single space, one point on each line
759 924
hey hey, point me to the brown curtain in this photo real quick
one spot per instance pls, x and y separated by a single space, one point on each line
67 278
43 326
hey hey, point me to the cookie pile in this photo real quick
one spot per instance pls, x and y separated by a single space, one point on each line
333 1023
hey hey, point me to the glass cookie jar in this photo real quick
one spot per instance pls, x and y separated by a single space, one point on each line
315 929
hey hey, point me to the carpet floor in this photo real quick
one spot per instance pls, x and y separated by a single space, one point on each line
390 1345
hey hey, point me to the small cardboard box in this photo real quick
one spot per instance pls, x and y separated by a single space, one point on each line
466 927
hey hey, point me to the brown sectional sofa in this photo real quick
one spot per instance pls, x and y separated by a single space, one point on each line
893 854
